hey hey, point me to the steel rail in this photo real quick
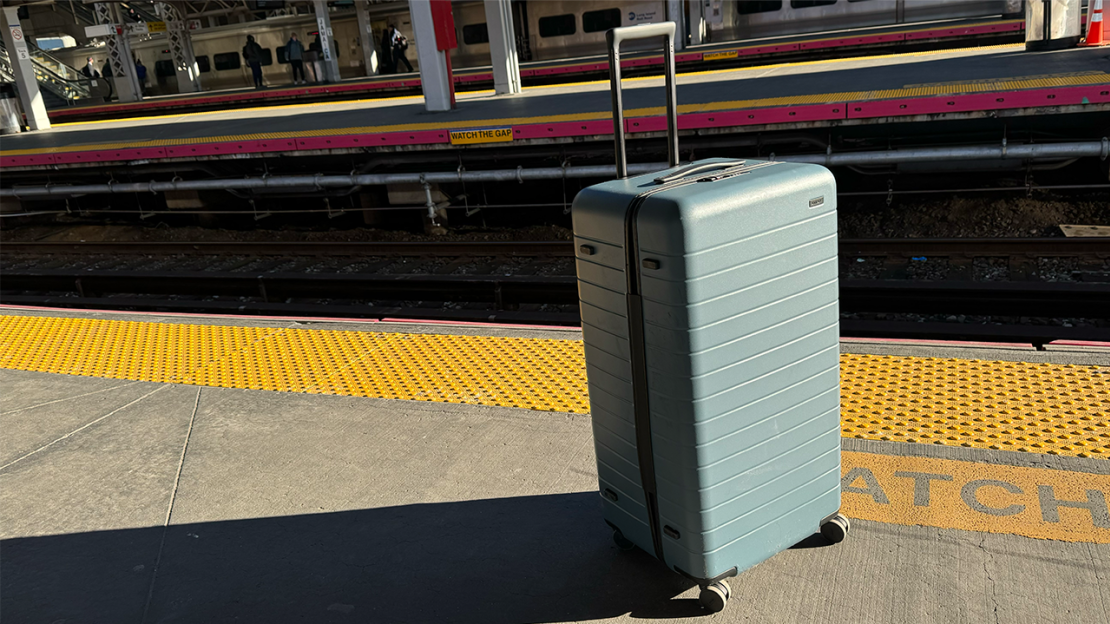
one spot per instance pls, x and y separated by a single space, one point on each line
847 247
1099 148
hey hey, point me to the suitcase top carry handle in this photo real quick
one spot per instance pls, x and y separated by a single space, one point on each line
644 31
692 169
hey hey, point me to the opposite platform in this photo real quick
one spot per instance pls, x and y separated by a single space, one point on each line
919 87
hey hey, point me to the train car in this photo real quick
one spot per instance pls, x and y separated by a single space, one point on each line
545 30
752 19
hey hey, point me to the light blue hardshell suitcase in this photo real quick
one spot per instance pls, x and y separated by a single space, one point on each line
710 319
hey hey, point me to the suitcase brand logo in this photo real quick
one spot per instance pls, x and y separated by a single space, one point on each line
817 201
484 135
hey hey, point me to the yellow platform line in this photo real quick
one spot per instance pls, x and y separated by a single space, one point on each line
1041 408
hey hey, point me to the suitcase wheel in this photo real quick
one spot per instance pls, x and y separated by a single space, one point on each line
836 529
621 541
713 598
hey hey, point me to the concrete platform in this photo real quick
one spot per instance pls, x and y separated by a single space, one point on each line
158 502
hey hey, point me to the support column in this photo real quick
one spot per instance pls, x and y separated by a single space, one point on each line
366 38
697 22
676 12
181 47
502 46
123 78
23 68
323 24
434 77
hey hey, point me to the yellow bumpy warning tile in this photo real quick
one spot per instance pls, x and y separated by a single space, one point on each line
1040 408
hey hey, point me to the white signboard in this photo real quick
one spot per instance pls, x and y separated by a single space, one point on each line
643 14
24 55
100 30
193 24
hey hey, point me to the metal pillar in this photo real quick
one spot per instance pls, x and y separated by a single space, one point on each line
119 53
697 22
327 44
181 48
434 78
502 46
23 68
366 38
676 12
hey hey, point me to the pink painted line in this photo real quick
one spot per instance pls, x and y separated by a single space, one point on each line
1081 343
99 156
1057 96
984 29
422 137
480 324
770 49
852 41
563 129
958 343
755 116
27 161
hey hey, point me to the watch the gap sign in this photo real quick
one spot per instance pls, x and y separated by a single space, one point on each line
481 135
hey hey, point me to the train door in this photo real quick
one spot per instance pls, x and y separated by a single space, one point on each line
520 27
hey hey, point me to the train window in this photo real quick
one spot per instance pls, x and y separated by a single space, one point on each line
557 25
203 65
227 60
164 69
805 4
282 59
595 21
475 34
758 6
267 57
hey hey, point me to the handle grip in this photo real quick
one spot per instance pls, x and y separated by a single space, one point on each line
614 38
685 171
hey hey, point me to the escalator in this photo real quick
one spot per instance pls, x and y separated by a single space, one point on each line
60 84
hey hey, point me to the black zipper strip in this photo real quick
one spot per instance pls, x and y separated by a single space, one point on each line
637 344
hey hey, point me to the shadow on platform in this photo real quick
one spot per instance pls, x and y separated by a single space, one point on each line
512 560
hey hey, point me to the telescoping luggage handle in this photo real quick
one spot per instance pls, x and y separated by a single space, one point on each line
644 31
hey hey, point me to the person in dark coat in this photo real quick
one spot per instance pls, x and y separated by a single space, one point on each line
106 71
400 44
90 69
252 53
140 73
387 52
294 53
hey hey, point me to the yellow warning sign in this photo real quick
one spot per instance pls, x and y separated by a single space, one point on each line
484 135
717 56
156 27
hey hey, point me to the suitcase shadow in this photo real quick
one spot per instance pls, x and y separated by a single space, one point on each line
511 560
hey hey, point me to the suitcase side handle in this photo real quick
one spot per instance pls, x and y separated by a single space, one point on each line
692 169
614 38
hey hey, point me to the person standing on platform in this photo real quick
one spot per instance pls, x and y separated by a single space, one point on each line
140 73
387 51
400 44
106 71
294 53
317 49
252 53
90 69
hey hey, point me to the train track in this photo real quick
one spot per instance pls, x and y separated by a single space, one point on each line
552 299
848 247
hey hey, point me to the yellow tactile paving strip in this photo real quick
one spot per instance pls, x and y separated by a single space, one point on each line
1041 408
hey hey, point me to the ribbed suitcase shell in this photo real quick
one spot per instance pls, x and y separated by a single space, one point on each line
740 331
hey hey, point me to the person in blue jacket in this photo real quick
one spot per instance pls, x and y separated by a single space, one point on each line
140 73
294 53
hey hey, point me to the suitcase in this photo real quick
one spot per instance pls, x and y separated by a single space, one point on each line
709 307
